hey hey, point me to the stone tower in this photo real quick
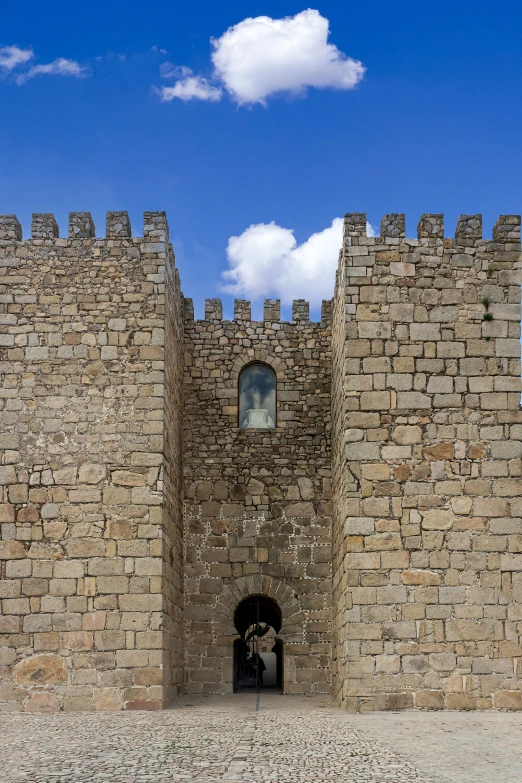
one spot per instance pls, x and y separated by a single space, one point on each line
380 510
91 549
426 460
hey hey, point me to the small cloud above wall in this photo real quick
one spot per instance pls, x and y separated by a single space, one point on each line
266 260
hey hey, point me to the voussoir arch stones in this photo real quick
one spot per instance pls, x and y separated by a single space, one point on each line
257 354
292 628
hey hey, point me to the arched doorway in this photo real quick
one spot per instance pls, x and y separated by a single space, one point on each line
258 653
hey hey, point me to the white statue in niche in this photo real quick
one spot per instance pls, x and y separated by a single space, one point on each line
257 416
257 388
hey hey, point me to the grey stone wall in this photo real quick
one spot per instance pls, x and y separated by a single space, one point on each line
383 513
90 589
168 421
427 453
257 502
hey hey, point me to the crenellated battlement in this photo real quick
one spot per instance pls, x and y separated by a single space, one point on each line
271 311
81 226
431 227
392 258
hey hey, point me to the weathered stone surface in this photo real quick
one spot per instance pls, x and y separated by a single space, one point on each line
448 442
508 700
91 473
42 702
73 544
40 670
437 519
258 514
12 550
217 741
421 578
407 435
381 512
440 451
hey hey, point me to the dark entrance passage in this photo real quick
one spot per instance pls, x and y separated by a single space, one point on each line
258 653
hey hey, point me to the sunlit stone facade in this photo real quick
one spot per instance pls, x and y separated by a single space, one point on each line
362 472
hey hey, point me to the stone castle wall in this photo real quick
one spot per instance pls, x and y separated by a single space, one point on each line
427 467
383 513
257 510
90 553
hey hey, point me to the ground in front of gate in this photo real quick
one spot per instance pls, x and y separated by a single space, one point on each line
273 739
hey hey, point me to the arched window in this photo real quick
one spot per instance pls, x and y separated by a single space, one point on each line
257 397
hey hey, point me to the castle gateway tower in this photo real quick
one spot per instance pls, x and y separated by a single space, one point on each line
172 488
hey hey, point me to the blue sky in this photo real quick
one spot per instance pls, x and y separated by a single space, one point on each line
433 125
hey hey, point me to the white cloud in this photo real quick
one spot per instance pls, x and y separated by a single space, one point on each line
12 56
170 71
265 260
189 88
59 67
261 57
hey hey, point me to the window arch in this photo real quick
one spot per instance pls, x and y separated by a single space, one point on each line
257 397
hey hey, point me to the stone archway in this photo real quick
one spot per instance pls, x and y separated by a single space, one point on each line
257 354
258 649
292 630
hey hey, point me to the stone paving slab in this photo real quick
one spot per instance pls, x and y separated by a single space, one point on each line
208 743
454 747
271 740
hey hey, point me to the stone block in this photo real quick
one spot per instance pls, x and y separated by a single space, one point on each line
439 451
430 700
7 474
40 670
401 269
363 451
460 701
507 700
359 526
421 578
374 330
437 519
109 640
393 701
42 703
413 401
12 550
377 400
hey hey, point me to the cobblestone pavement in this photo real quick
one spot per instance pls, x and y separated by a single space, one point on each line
287 740
454 747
